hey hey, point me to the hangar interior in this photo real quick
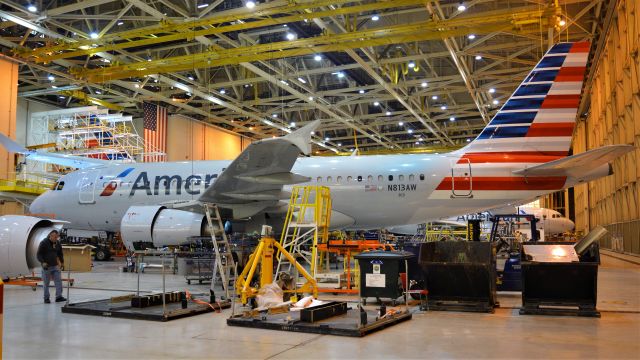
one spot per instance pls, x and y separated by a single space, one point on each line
133 84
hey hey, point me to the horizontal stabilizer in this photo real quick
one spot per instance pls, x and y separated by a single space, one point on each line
577 165
283 178
261 195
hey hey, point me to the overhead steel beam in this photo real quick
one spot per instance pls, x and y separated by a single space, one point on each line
75 7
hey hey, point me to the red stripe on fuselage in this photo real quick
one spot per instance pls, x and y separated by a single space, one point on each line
504 183
550 129
561 102
569 73
512 157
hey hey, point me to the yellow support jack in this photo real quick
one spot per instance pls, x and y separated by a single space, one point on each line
263 256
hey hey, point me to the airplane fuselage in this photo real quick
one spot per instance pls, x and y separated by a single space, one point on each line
370 191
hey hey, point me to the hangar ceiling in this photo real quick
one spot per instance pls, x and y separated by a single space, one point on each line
387 74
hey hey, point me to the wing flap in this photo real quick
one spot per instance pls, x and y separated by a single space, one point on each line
579 164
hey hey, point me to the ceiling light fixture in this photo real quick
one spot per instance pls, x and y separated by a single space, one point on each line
32 8
317 58
375 17
250 4
461 7
471 36
478 57
492 90
202 6
424 84
93 35
376 103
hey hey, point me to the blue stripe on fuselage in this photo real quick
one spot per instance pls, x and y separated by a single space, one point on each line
125 173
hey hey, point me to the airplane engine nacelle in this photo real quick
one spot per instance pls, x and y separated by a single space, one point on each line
158 226
20 237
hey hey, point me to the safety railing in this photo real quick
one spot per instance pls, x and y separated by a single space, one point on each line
24 186
623 237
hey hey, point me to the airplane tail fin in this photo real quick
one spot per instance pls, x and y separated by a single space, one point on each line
538 119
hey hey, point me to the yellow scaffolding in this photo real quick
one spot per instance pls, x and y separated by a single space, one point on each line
23 187
306 225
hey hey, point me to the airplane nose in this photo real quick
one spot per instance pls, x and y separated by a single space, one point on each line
36 206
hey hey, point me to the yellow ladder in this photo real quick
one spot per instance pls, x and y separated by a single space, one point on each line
306 225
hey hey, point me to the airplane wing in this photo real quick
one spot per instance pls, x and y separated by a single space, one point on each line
579 164
254 180
50 158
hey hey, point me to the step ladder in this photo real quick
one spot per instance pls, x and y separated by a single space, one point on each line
306 225
224 265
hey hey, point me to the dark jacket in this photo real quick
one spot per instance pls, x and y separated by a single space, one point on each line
48 253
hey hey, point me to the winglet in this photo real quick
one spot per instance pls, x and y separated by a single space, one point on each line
11 145
302 137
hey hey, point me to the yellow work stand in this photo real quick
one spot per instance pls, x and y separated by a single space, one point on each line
263 256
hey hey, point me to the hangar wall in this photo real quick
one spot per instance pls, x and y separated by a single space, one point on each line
614 118
188 140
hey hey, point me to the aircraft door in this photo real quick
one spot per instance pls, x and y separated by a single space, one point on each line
461 178
87 187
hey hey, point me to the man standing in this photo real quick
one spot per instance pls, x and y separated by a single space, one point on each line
52 260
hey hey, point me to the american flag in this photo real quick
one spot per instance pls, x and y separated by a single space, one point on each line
155 132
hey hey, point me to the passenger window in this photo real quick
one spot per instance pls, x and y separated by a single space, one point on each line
412 177
401 178
390 177
329 179
339 180
421 177
380 178
359 178
370 178
349 178
319 179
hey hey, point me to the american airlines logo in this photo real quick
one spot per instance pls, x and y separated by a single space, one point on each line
161 184
165 183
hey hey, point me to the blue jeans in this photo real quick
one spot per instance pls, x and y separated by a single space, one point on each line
47 275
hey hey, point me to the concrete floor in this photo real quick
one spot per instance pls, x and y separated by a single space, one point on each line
35 330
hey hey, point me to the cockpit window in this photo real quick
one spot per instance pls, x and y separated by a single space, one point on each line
58 185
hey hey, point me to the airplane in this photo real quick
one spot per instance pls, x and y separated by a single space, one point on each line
522 154
550 221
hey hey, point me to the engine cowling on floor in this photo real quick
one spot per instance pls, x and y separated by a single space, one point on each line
20 237
155 226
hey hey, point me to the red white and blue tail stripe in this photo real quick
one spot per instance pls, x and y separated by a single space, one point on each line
534 126
539 118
